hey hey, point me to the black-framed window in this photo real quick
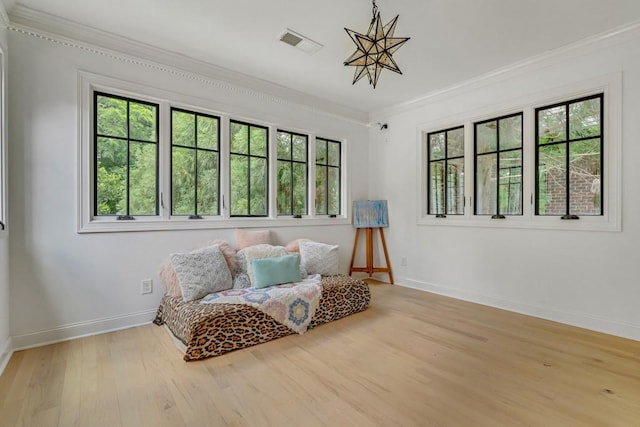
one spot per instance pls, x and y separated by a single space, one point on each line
569 151
498 166
195 164
445 172
125 139
292 173
249 166
328 176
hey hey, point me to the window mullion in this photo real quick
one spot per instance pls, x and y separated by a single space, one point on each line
476 156
603 159
340 177
293 187
498 213
291 184
164 160
311 187
165 173
195 166
248 160
225 167
528 156
128 181
272 172
445 172
326 174
470 164
568 161
94 155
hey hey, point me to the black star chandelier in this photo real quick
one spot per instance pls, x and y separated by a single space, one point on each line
374 50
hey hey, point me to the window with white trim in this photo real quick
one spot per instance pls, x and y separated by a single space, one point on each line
249 165
126 157
195 163
154 160
328 176
292 152
498 166
445 172
536 164
569 143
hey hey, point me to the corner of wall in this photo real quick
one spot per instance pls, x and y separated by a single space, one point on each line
5 355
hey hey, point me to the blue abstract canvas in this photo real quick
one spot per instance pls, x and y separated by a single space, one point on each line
370 214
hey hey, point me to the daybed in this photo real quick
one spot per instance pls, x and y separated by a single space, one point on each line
208 330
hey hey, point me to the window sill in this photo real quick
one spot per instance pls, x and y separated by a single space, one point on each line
108 225
538 223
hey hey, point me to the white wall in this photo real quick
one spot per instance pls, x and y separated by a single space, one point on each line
65 284
584 278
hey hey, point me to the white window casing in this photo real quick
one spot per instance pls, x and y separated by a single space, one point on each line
89 223
609 85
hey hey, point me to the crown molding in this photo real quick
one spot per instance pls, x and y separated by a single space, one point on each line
3 14
603 40
52 28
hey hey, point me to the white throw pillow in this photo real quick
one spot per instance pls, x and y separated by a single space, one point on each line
259 252
202 272
319 258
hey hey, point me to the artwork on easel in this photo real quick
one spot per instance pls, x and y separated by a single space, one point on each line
370 214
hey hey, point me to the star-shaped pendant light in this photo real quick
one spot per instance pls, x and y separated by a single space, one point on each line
374 50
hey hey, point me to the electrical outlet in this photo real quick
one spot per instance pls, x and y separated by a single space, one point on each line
146 286
403 261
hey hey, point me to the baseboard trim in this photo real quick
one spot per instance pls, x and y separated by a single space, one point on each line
5 355
581 320
81 329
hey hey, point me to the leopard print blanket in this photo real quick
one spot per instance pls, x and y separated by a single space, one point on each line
213 329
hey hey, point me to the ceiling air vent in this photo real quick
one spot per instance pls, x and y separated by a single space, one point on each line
299 41
290 38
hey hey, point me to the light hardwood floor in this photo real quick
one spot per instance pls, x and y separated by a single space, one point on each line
411 359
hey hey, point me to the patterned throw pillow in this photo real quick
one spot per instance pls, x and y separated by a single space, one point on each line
319 258
169 278
241 278
228 251
241 281
201 272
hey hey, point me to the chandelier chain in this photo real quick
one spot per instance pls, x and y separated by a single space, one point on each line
374 9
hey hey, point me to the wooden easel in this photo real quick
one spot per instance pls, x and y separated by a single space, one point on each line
370 269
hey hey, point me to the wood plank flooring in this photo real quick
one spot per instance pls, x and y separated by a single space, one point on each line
411 359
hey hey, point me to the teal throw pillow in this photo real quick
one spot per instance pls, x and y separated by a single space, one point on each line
275 271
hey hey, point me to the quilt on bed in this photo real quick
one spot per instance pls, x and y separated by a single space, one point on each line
212 329
292 304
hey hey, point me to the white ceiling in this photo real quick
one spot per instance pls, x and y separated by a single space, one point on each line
451 40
